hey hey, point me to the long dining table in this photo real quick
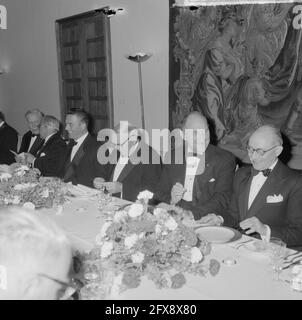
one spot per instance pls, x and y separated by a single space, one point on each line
251 277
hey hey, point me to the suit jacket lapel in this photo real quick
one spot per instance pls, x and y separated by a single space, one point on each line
260 199
80 153
243 198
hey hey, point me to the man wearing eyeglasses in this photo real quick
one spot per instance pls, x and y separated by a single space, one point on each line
35 257
267 197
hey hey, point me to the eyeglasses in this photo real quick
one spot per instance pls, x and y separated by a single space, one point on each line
65 286
259 152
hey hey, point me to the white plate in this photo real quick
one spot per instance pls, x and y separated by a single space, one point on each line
218 234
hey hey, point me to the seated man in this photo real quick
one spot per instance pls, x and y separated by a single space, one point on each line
51 157
31 141
267 197
8 141
201 179
81 164
134 166
35 257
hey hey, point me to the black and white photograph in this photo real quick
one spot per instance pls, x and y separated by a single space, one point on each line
151 150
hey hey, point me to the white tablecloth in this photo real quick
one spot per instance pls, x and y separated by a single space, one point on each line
250 278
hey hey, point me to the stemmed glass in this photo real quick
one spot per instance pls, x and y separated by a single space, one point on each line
277 251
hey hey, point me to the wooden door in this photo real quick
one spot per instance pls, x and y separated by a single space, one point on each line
85 72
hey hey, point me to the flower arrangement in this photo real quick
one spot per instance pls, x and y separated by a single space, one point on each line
133 243
24 186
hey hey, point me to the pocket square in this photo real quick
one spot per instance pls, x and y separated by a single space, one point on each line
212 180
274 199
42 154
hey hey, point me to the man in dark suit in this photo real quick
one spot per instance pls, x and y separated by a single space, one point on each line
133 165
8 141
51 157
31 141
267 197
199 176
81 165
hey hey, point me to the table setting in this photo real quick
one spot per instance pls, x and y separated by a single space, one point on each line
128 250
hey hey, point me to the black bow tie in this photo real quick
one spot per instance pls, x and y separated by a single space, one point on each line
72 143
265 172
34 135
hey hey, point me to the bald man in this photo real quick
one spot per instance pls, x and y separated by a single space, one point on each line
201 180
267 197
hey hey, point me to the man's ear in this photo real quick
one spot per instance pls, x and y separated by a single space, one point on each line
278 150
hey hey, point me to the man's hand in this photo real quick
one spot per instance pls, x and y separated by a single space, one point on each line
211 219
98 182
253 225
177 193
29 158
21 158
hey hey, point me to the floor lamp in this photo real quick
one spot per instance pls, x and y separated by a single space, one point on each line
139 58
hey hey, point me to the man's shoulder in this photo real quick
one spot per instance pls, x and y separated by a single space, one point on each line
219 154
26 134
9 129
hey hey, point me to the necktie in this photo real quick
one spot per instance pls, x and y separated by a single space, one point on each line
266 172
34 135
72 143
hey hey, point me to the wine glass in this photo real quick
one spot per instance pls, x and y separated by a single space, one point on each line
276 250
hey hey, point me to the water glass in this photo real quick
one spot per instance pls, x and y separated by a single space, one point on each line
277 251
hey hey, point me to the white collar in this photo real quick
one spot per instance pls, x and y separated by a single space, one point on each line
1 124
273 165
82 138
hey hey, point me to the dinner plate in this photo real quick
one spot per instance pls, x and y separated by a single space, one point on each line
216 234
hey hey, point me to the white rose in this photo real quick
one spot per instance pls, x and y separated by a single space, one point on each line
158 229
171 224
159 212
16 200
45 193
130 241
145 195
29 205
196 255
106 249
104 229
120 216
135 210
138 257
5 176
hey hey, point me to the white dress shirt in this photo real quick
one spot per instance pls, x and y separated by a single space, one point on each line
77 146
32 141
192 164
1 124
122 161
257 183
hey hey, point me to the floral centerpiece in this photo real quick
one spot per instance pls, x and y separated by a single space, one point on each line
134 243
24 186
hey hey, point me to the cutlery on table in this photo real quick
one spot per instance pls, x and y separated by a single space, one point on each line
292 264
293 256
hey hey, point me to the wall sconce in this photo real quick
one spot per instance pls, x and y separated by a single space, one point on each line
139 58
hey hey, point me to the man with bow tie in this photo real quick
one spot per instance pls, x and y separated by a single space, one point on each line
81 164
267 197
31 140
201 181
51 156
133 165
